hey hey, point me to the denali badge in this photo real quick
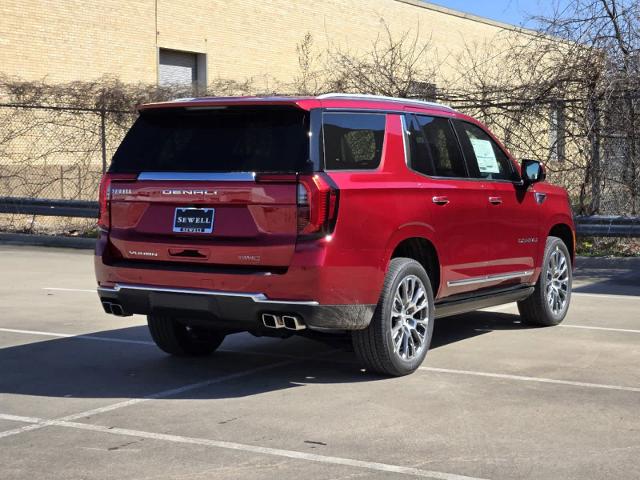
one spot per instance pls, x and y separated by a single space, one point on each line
143 254
188 192
121 191
528 240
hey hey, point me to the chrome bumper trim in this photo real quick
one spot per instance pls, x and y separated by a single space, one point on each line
256 297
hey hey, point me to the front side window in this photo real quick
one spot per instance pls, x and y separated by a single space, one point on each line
486 159
434 148
353 141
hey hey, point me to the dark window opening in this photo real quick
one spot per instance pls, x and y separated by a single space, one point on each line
434 147
216 140
485 158
353 141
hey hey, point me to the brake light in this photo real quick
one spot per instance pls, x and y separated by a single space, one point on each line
104 220
104 196
317 205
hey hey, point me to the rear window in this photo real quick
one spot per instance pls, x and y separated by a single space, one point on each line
353 141
216 140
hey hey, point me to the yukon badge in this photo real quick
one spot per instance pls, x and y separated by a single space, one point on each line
139 253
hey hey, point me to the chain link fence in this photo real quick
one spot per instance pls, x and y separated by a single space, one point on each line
55 153
60 153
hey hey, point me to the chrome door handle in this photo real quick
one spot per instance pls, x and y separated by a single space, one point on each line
440 200
495 200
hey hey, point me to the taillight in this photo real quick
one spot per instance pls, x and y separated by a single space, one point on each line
317 205
104 196
104 220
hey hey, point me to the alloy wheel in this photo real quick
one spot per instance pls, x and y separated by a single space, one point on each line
557 286
409 318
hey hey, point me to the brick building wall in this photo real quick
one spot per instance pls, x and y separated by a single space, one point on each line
67 40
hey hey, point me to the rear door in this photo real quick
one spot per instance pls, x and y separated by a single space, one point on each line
456 202
513 215
214 185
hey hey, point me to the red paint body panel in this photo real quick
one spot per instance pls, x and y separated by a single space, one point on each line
255 225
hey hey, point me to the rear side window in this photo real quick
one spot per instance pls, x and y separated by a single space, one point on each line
353 141
216 140
434 147
486 158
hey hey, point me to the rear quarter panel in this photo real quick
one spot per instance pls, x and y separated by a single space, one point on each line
378 209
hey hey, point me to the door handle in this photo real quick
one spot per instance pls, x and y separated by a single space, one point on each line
440 200
495 200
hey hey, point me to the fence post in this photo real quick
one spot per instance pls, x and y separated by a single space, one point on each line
103 138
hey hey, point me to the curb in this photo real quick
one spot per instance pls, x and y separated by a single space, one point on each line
47 241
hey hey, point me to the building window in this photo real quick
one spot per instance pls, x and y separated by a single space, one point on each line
557 134
422 91
185 69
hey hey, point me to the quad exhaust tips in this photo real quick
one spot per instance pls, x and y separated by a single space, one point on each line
290 322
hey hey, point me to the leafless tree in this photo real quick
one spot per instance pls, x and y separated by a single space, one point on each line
399 65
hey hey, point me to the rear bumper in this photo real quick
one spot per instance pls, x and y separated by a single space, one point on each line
236 311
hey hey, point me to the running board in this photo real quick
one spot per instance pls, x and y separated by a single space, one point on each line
449 307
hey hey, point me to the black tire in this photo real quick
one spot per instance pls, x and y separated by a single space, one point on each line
175 338
374 345
536 309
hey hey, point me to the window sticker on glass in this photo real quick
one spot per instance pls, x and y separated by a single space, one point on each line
487 162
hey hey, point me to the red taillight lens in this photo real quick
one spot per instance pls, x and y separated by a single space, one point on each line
104 196
104 220
317 205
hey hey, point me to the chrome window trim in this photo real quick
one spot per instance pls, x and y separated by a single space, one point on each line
489 278
256 297
405 142
199 176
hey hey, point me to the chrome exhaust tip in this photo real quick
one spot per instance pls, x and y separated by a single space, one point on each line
270 320
292 322
117 310
107 306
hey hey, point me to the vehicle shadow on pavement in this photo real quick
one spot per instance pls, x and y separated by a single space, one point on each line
462 327
77 367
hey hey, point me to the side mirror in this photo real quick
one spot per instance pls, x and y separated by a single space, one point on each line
532 171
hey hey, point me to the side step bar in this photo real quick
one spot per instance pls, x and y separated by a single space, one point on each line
449 307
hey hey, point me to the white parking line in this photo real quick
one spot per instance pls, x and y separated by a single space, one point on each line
500 308
56 289
152 344
255 449
521 378
608 329
153 396
605 295
74 336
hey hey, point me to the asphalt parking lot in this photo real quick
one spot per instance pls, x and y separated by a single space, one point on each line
87 395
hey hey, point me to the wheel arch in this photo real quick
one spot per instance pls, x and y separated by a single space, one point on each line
565 233
420 247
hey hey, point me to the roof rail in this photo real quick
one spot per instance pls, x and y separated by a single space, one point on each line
364 96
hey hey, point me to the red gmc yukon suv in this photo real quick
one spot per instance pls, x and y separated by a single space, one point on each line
325 215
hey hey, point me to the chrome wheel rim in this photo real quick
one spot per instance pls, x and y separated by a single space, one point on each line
409 318
557 289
